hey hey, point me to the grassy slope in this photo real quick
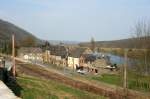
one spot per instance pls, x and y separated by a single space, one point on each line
37 88
135 82
55 89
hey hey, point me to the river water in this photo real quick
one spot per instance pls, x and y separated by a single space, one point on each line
119 60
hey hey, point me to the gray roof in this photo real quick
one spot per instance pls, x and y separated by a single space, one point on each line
77 52
58 50
30 50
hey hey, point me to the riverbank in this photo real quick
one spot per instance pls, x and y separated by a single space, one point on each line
132 53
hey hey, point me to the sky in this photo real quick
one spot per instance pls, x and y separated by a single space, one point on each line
76 20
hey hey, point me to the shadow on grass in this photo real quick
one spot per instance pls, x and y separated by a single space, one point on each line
13 85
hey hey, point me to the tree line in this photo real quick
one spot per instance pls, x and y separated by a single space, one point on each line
6 45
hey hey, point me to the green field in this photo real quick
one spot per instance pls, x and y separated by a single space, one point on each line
37 88
135 82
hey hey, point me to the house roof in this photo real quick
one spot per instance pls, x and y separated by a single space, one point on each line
30 50
58 50
89 57
77 52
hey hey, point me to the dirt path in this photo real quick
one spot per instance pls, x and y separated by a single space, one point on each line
101 89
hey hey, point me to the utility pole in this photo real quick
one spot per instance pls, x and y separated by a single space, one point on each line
13 56
125 72
66 58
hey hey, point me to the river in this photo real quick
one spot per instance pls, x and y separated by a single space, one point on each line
116 59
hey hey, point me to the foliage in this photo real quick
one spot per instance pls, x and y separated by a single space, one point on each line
93 44
28 42
5 47
7 29
142 33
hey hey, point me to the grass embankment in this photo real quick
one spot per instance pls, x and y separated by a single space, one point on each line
135 82
37 83
37 88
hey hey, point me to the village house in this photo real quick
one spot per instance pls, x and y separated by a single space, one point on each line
76 57
46 56
55 54
33 54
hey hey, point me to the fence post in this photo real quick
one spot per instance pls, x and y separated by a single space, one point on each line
125 72
13 56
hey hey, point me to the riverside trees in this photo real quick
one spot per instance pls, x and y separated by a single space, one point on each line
142 35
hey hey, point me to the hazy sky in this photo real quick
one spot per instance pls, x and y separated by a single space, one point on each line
76 20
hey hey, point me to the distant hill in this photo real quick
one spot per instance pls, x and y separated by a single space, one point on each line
7 29
57 42
123 43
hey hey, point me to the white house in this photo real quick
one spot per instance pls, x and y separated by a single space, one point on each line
30 53
75 57
73 62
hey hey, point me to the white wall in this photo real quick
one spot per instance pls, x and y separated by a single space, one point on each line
72 62
58 58
76 62
32 57
26 57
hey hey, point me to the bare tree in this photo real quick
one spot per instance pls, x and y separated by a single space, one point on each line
142 40
92 44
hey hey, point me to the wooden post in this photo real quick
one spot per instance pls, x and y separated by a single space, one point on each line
13 56
125 71
73 64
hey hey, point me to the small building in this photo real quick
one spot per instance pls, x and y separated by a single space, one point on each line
64 62
31 53
89 58
58 50
55 54
46 56
76 57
